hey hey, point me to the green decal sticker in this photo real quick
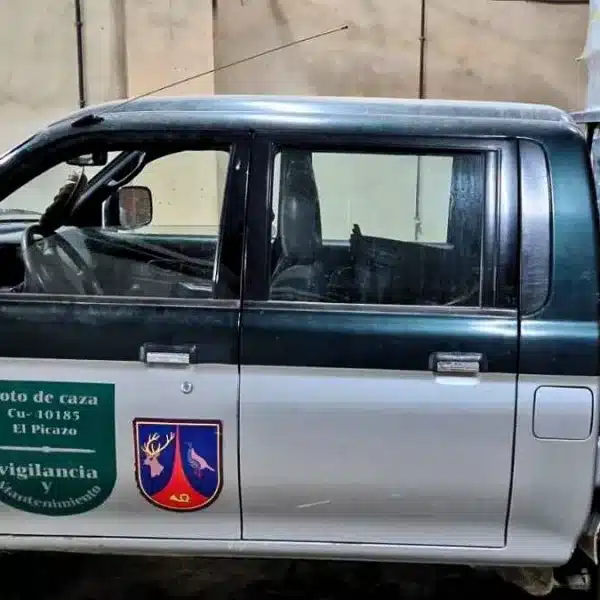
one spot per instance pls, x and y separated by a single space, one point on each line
57 445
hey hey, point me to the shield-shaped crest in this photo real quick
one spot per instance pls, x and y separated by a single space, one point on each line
178 462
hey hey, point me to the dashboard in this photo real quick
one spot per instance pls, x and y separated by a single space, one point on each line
124 266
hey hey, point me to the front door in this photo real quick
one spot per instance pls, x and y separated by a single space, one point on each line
378 360
119 409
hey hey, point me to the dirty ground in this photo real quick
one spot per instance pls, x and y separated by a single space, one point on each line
56 576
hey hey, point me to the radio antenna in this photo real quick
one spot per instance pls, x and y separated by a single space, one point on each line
90 119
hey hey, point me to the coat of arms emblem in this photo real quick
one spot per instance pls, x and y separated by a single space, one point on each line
178 462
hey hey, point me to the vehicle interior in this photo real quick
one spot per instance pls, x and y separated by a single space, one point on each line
90 240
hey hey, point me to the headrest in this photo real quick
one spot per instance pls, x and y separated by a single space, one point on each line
299 215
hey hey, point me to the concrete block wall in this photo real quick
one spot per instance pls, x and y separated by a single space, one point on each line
473 49
130 46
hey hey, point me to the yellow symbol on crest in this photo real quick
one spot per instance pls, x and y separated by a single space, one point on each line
181 499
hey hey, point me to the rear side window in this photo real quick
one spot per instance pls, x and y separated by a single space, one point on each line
377 228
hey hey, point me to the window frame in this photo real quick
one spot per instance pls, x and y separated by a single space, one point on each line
499 258
30 163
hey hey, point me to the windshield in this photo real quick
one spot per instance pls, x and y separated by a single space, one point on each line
33 198
7 153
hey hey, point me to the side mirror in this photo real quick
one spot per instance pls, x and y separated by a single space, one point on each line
95 159
135 206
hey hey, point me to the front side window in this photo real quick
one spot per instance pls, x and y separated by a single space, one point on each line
377 228
187 191
163 243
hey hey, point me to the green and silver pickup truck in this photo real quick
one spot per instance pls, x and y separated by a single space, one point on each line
303 327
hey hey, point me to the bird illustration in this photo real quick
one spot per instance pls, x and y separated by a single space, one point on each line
197 462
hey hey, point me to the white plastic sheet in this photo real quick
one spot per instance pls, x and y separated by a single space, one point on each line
591 54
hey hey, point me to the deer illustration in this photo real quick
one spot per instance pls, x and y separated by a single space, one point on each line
153 449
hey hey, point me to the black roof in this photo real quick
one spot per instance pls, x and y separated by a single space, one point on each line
255 110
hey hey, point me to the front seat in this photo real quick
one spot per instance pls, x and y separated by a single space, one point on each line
299 273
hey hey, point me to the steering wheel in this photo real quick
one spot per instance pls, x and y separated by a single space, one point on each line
44 265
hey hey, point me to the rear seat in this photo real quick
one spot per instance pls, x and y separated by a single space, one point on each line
405 273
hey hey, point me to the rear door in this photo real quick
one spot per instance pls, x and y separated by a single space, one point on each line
379 342
119 412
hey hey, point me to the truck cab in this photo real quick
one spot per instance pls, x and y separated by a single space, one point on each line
306 327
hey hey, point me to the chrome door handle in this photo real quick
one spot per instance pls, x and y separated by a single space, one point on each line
457 363
166 355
